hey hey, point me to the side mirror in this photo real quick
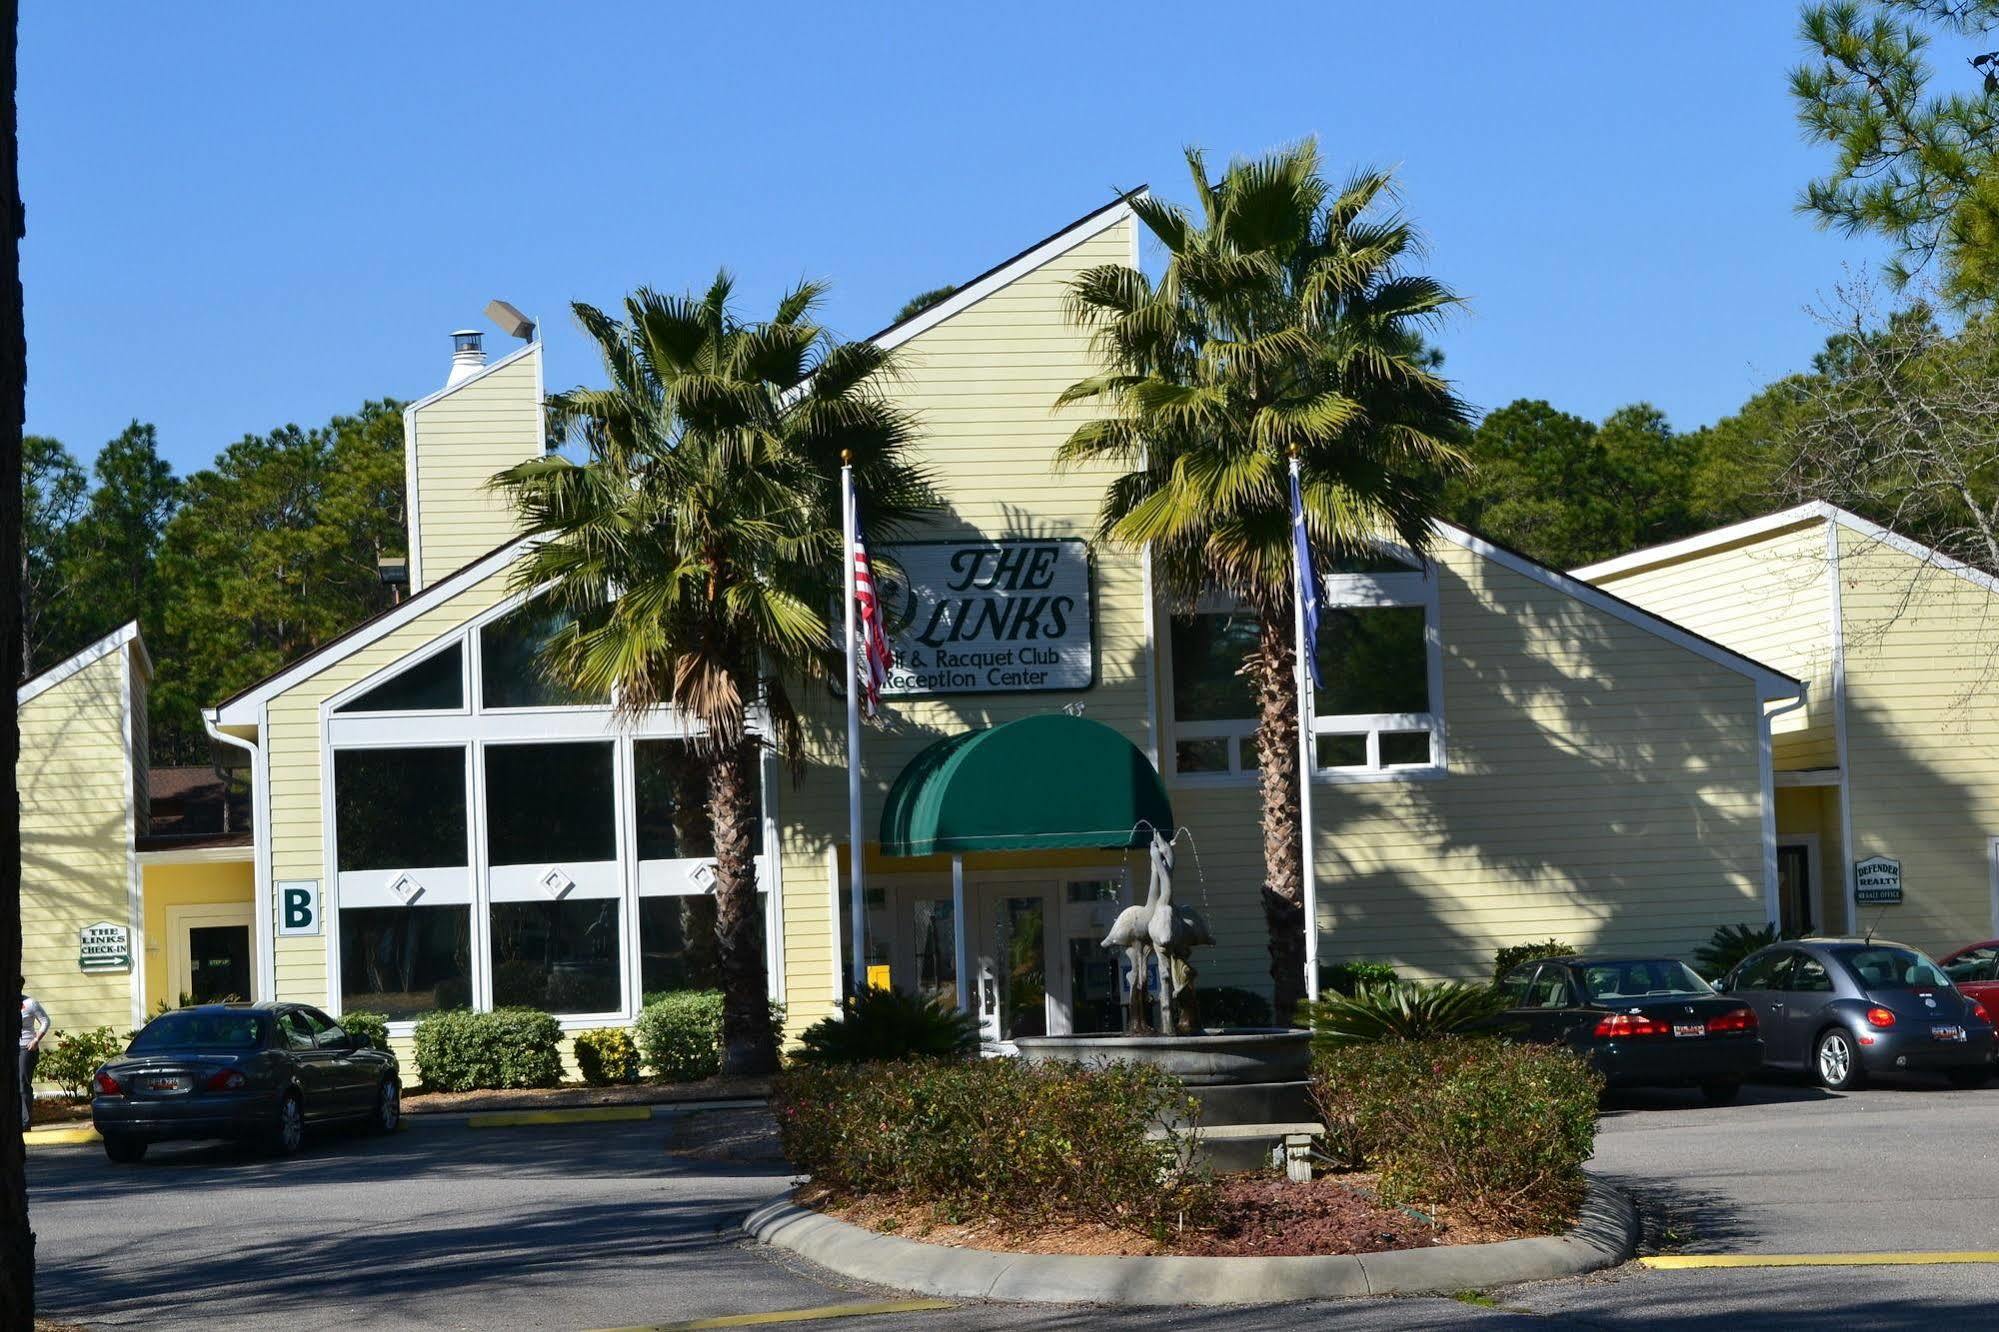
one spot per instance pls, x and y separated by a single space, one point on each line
1721 985
356 1041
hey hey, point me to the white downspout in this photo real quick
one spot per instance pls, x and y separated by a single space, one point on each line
1767 765
267 979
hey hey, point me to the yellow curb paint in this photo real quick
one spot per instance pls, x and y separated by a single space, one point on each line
596 1114
1677 1262
58 1137
794 1316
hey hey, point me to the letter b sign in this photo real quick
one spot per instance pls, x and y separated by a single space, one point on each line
298 906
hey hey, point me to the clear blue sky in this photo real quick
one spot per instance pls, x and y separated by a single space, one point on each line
243 215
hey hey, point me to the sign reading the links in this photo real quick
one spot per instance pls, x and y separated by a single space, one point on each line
986 617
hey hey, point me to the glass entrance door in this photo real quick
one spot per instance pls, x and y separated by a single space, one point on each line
218 963
1795 888
1012 962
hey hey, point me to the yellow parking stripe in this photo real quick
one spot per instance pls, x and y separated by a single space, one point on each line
58 1136
596 1114
794 1316
1683 1261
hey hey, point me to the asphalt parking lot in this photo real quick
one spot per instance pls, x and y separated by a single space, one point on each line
631 1224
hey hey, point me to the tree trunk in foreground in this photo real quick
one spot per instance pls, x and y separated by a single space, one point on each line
1270 670
749 1045
17 1242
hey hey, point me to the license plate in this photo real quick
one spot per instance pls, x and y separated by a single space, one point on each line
1689 1029
1947 1033
169 1085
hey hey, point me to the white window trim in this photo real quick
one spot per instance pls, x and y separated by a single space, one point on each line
388 673
476 727
1338 592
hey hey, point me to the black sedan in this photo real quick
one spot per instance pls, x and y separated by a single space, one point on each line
1844 1008
260 1072
1643 1022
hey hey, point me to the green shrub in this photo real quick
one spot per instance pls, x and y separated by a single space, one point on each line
1513 955
372 1026
1347 977
607 1055
680 1035
69 1061
1493 1131
1729 944
993 1138
1231 1006
508 1047
1401 1011
879 1025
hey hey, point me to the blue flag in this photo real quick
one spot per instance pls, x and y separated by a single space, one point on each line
1305 581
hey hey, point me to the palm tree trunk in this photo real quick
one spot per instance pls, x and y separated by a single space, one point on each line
749 1045
1271 670
17 1242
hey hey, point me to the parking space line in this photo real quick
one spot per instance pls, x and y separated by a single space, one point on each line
600 1114
1672 1262
793 1316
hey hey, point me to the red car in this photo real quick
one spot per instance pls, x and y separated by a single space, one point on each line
1974 969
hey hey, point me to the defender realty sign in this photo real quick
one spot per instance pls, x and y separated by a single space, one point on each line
1877 879
984 617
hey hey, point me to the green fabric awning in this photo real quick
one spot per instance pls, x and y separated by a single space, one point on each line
1041 783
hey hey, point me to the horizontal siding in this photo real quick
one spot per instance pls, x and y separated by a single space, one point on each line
463 440
1768 599
1922 683
76 841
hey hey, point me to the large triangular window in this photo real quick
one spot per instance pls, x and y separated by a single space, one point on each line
435 684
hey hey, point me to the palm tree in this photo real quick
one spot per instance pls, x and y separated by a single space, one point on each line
698 550
1283 325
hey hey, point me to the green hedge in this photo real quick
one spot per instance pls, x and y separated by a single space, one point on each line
373 1026
1495 1132
680 1035
1511 956
993 1138
606 1056
509 1047
69 1061
875 1026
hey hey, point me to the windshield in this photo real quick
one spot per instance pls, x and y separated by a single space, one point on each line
1612 981
1891 969
190 1030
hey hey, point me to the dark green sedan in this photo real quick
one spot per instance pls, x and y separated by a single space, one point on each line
257 1072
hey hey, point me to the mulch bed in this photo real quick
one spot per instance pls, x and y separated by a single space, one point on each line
1259 1215
576 1095
50 1113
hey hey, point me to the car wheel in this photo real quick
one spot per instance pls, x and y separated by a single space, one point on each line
1720 1091
1837 1062
1969 1078
123 1150
388 1107
287 1135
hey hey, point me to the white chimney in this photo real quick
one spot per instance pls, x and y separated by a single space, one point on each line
468 355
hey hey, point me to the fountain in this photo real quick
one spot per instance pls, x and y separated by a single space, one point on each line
1251 1082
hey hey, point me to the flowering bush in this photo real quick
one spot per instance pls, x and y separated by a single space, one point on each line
993 1138
70 1060
1496 1132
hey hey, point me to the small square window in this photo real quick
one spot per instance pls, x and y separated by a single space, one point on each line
1404 748
1210 755
1343 751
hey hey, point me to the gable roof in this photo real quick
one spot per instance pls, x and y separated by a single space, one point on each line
1770 682
36 685
1800 515
243 704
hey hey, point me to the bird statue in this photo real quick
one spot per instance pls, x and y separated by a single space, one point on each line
1174 932
1128 932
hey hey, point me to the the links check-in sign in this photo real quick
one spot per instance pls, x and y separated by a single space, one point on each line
987 617
298 906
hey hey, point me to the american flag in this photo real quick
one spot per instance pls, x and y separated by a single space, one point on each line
875 655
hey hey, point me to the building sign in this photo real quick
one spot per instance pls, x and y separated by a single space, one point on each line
1877 879
298 906
988 617
104 947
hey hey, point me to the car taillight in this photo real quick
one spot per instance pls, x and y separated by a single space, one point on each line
1620 1025
108 1085
1978 1013
227 1079
1880 1017
1738 1019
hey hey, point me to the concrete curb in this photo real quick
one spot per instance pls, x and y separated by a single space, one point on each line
1606 1234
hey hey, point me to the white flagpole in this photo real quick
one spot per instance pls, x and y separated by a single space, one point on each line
856 848
1305 756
